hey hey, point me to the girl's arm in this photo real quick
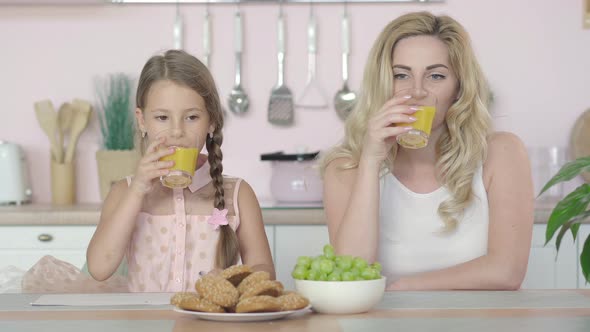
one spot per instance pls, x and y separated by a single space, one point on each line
111 238
351 204
254 248
511 208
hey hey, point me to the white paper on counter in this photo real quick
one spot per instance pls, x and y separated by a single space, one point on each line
105 299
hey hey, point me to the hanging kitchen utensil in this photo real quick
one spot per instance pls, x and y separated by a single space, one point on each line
81 115
280 104
178 29
345 99
238 99
47 118
206 37
312 97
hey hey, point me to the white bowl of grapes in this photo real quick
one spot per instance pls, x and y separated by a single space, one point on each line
337 284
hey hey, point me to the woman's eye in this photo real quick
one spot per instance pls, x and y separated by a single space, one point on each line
162 117
437 77
400 76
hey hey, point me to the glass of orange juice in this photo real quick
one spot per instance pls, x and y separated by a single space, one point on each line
418 136
185 162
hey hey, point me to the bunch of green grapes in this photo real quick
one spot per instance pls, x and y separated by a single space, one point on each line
329 267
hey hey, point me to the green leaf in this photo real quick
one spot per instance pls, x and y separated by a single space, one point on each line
573 223
585 259
572 205
568 172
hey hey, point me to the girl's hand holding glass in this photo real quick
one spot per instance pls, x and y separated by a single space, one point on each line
382 130
150 167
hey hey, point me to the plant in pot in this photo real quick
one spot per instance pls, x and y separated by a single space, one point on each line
572 210
117 158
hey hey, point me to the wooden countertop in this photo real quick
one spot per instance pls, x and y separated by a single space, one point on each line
89 214
538 311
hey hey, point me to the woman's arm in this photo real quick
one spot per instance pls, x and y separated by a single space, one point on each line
351 204
511 213
254 247
111 238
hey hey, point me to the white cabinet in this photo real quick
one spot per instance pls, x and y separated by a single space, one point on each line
294 241
582 235
545 269
23 246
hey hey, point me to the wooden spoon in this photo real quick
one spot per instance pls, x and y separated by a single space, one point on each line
82 111
65 115
47 118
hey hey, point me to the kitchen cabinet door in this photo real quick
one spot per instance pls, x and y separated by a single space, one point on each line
23 246
582 235
545 269
292 241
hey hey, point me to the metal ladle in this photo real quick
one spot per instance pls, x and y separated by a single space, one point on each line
345 99
238 99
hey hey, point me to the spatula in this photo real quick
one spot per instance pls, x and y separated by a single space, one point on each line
64 123
82 111
280 104
47 118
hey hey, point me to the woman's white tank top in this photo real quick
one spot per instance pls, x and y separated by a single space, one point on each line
410 234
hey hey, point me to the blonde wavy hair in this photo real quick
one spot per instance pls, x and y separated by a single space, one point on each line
462 147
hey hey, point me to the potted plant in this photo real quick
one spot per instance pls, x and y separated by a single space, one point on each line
117 158
571 210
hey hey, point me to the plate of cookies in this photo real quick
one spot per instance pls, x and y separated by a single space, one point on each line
238 294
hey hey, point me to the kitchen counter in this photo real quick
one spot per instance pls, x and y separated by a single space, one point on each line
273 214
458 311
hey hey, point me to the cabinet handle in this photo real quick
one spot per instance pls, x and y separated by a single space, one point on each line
45 237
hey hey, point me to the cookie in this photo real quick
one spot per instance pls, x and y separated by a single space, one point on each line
178 297
199 304
236 273
265 287
217 290
292 301
252 279
261 303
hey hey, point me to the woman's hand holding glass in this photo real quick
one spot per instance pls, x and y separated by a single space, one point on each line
382 130
150 167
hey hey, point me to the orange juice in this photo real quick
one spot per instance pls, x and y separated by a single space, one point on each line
418 137
181 174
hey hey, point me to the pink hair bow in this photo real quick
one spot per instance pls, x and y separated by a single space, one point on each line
218 218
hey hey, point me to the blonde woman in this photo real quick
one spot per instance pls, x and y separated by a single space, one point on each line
456 214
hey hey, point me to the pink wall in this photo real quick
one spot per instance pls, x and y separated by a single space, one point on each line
534 52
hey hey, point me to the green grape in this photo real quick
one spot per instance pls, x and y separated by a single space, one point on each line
313 275
358 278
315 264
369 274
345 263
323 276
327 266
377 266
304 261
337 270
359 263
337 259
347 276
355 272
335 276
329 252
299 272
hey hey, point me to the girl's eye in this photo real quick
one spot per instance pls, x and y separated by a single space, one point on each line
437 77
162 117
400 76
193 117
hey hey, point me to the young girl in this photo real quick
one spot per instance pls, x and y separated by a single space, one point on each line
456 214
170 237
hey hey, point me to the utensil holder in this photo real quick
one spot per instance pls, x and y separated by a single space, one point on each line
63 183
